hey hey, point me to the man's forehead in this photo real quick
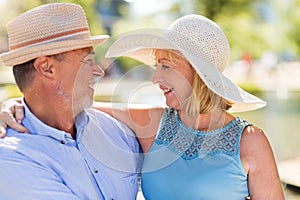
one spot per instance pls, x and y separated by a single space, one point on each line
90 54
84 52
87 50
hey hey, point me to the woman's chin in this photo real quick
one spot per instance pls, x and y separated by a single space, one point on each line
173 104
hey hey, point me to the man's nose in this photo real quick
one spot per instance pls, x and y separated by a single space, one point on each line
98 70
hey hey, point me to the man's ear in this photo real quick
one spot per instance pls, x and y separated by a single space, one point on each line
43 66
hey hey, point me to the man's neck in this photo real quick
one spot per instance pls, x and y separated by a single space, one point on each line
52 112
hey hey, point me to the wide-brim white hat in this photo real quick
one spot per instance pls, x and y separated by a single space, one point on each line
47 30
202 43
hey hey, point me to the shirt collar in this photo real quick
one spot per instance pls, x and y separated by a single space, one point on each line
81 121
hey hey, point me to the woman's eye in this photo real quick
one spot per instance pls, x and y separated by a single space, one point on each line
162 66
165 67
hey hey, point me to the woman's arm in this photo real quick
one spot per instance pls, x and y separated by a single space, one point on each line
259 163
144 120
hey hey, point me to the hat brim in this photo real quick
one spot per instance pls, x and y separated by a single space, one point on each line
22 55
140 46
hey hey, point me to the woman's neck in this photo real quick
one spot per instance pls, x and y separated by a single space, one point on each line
213 120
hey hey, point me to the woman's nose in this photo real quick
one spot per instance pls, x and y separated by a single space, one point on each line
156 78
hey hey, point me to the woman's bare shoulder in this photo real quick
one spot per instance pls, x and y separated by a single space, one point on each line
254 141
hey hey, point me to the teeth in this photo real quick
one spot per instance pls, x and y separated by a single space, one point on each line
96 79
91 86
168 90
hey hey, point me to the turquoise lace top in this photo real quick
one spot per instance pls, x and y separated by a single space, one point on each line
187 164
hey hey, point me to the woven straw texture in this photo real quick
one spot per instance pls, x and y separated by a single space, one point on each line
202 43
46 30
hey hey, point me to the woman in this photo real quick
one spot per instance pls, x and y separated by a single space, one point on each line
195 149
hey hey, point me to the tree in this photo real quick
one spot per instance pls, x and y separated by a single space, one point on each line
293 30
213 8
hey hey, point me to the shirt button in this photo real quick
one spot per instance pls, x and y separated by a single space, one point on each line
95 170
63 142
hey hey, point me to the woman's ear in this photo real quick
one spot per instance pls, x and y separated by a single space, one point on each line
44 66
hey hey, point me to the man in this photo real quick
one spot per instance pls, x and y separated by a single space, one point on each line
72 151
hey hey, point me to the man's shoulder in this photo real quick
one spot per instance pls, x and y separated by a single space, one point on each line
15 145
105 120
24 143
12 138
115 131
98 113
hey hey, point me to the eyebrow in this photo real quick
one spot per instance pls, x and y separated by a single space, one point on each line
90 52
163 59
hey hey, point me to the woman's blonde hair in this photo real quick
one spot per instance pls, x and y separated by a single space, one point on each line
203 100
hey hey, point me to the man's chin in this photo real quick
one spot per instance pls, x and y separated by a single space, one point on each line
82 105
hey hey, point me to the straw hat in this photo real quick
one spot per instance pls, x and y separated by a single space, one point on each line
202 43
47 30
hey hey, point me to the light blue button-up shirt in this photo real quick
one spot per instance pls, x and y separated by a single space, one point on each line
102 163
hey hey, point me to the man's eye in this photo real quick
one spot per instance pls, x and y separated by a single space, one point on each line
88 62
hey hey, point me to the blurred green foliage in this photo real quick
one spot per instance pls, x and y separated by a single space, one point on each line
213 9
12 90
252 88
293 30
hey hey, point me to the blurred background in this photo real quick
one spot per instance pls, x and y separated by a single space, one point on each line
264 36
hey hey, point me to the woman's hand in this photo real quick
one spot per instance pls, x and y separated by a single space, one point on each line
12 114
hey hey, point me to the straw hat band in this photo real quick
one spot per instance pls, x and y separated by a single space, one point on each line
48 30
51 37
